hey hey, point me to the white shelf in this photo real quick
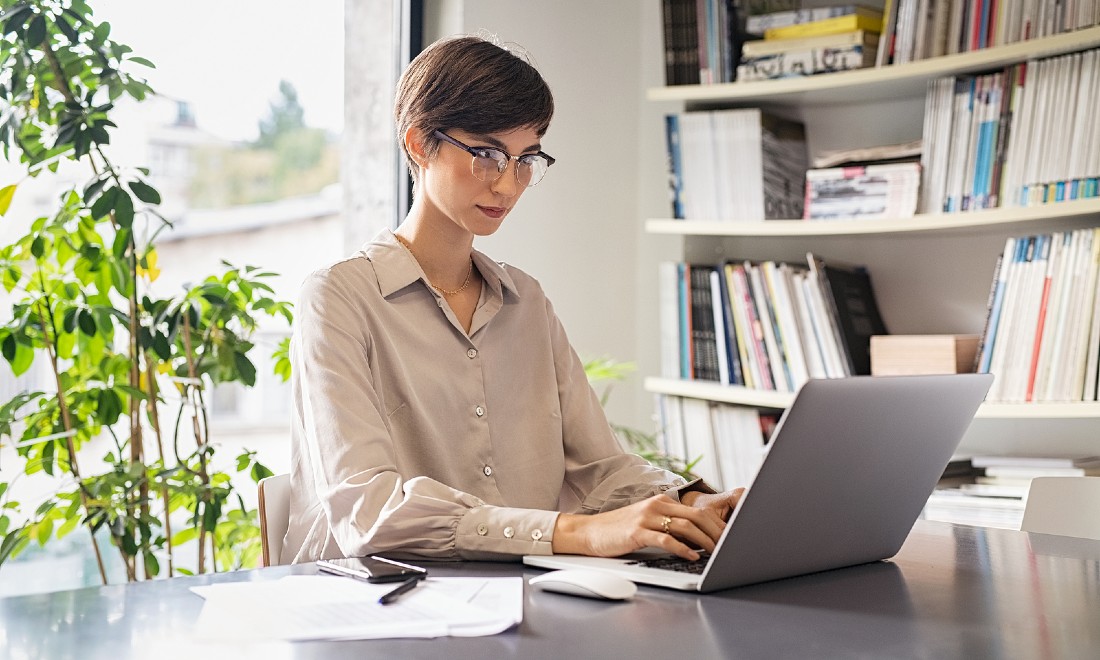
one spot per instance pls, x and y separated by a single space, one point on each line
779 400
1083 209
724 393
874 84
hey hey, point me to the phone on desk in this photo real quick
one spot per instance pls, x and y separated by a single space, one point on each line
372 569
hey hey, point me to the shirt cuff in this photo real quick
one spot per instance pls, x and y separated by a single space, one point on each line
488 531
697 486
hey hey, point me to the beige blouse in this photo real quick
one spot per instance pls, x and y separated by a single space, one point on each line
411 436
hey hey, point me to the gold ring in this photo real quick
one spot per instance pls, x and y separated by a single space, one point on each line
665 523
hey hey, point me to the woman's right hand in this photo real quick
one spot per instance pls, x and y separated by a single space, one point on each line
656 522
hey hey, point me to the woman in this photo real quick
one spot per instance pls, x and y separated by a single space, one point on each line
439 408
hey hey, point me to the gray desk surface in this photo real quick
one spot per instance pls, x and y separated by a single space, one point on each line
952 592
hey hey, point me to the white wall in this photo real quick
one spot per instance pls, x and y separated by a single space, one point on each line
580 230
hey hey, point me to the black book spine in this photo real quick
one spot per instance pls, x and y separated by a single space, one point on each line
704 341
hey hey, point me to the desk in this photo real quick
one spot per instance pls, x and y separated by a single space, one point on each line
952 592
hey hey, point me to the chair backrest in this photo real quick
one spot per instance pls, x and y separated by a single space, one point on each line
1066 506
274 505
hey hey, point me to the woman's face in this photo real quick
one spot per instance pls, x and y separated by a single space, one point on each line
448 183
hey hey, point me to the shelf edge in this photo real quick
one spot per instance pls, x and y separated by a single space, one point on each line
1081 208
779 400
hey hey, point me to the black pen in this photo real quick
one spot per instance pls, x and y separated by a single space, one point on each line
404 587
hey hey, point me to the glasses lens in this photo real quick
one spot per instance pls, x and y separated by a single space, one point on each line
531 169
489 164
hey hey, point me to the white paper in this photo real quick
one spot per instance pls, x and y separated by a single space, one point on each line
312 607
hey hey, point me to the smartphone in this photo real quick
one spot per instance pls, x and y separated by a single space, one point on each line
372 569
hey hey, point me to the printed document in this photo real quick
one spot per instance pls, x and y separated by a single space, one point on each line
314 607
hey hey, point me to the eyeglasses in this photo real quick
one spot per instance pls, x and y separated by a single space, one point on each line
489 163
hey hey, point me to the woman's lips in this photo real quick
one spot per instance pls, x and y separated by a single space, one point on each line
494 212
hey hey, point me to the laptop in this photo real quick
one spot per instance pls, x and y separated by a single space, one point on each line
847 472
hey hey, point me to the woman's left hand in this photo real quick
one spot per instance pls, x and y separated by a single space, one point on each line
721 503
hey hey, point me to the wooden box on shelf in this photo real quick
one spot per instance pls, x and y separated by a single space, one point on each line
898 355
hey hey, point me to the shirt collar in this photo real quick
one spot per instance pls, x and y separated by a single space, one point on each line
396 268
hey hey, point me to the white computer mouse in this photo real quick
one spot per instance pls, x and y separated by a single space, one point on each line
591 584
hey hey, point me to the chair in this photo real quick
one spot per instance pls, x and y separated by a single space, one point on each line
274 504
1065 506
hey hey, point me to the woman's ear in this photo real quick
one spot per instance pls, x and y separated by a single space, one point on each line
415 147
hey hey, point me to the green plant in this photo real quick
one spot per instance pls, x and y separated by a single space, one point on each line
646 445
80 280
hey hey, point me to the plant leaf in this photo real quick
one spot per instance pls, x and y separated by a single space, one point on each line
245 367
6 195
36 31
124 209
145 192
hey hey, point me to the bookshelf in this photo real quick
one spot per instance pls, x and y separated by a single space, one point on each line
874 84
744 396
931 272
1015 219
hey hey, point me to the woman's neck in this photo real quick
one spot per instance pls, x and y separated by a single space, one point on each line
442 249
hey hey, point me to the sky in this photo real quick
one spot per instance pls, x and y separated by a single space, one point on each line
226 57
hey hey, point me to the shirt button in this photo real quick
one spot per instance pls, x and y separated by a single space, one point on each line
488 471
537 534
479 411
471 353
482 529
509 532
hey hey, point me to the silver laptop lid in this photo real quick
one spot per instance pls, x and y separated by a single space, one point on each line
850 467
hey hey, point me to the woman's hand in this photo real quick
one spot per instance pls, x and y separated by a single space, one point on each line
658 522
721 503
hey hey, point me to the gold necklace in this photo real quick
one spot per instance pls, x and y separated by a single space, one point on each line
446 292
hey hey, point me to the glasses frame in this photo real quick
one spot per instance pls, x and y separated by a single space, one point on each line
475 152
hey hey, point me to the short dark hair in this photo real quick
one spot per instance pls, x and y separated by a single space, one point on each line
473 85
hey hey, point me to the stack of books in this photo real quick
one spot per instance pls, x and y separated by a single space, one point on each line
1022 136
1042 333
994 494
767 326
863 192
735 165
810 41
722 443
701 41
919 29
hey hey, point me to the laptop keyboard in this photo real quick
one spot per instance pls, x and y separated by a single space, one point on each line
676 563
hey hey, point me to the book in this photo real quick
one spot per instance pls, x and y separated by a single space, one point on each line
761 23
805 62
1029 472
763 47
957 506
669 306
703 338
675 167
905 151
862 192
870 20
681 42
739 164
895 355
699 440
1019 460
848 293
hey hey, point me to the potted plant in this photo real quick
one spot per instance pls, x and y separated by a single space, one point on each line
126 365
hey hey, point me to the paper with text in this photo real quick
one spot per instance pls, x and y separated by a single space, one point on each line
313 607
